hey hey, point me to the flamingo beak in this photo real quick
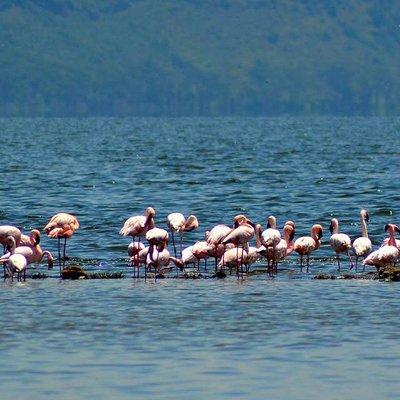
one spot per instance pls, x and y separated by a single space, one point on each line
331 228
396 228
387 227
291 237
367 217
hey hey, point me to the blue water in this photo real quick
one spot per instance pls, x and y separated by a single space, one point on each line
283 337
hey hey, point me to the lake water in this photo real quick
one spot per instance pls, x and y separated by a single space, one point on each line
288 337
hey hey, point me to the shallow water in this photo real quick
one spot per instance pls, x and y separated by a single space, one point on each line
280 338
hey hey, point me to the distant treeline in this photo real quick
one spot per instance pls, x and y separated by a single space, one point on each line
199 57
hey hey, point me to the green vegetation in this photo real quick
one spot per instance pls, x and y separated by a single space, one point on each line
199 57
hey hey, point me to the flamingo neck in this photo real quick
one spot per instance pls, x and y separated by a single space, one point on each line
258 236
392 240
364 228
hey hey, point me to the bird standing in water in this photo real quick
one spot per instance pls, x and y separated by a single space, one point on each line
61 226
178 224
340 242
362 246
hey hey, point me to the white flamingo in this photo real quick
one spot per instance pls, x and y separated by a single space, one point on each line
362 246
340 242
178 224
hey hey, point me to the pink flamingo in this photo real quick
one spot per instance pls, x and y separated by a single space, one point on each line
178 224
161 259
15 262
139 225
385 255
234 258
305 245
188 257
33 254
340 242
362 246
201 250
214 238
240 237
285 246
134 249
62 226
30 248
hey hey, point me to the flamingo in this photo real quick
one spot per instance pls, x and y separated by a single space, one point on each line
385 255
188 257
305 245
282 250
201 250
33 254
269 239
30 248
234 258
62 226
286 246
158 238
139 225
214 238
362 246
240 236
15 262
161 258
140 258
134 249
340 242
252 256
178 224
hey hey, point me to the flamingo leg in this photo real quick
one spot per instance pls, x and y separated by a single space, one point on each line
205 264
223 259
308 262
338 261
59 252
351 261
181 245
173 243
356 263
65 248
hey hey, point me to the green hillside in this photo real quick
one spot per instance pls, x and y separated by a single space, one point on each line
199 57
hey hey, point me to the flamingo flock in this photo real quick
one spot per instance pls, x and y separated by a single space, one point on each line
229 246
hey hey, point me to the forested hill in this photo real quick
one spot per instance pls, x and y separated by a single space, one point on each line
199 57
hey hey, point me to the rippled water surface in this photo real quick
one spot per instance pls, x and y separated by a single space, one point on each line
286 337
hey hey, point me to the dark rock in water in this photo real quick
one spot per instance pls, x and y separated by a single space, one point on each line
105 275
160 276
38 275
73 272
324 276
219 275
192 275
390 274
349 276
